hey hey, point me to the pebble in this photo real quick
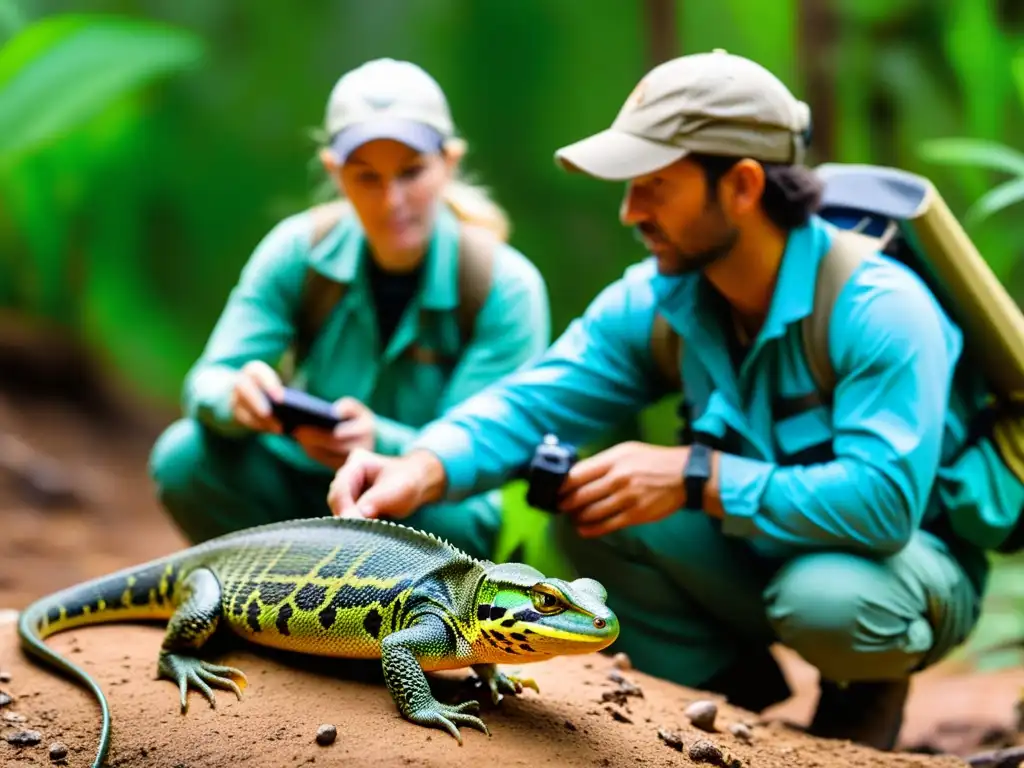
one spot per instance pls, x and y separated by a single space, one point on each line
702 714
326 734
621 661
671 739
24 738
58 751
741 731
703 751
5 699
5 677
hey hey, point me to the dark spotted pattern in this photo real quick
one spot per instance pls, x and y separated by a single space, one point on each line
508 623
253 617
310 597
274 592
372 623
528 616
483 612
283 616
519 637
497 612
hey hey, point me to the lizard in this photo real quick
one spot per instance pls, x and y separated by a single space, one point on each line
343 587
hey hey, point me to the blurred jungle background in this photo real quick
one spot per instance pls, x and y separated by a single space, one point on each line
147 145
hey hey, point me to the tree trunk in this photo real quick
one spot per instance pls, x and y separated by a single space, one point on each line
662 33
816 21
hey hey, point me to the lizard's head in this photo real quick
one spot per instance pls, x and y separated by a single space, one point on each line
525 616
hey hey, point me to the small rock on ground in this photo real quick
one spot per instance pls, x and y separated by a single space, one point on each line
326 734
671 739
24 738
702 714
58 751
703 751
621 661
741 731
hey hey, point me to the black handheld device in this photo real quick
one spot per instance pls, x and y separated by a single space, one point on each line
551 462
301 409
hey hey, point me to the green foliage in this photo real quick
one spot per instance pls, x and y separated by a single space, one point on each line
58 72
72 136
990 155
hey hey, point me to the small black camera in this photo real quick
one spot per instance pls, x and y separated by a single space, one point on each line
547 471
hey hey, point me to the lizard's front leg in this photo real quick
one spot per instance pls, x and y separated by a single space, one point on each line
192 624
400 655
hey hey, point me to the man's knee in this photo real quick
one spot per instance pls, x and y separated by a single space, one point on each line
848 616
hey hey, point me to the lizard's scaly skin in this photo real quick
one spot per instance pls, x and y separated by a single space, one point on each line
337 587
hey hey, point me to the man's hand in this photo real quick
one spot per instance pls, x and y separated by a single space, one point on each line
628 484
333 448
371 485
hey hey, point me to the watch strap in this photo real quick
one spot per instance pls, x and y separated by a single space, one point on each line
696 474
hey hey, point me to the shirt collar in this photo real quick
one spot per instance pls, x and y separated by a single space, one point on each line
682 298
339 256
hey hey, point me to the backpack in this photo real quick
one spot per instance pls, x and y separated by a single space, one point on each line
320 295
902 215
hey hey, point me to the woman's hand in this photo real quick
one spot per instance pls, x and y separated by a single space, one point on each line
255 386
331 449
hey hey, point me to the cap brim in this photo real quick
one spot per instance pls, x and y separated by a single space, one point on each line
617 156
419 136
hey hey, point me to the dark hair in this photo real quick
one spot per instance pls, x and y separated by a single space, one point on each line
791 192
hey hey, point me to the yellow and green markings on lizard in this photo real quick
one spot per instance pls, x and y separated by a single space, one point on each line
341 602
146 594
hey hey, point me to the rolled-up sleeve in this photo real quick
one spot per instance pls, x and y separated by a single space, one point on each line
894 354
596 374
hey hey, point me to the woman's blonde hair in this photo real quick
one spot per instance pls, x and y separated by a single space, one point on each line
469 201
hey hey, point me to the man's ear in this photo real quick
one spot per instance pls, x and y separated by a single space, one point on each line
742 188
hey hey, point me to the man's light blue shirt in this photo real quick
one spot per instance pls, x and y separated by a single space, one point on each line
892 421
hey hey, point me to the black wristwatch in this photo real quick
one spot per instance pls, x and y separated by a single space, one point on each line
695 475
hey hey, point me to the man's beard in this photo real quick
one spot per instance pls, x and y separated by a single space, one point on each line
684 263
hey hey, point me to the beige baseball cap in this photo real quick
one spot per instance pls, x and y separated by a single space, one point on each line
715 103
387 99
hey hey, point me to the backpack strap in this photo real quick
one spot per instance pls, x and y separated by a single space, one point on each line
475 275
667 350
320 294
847 252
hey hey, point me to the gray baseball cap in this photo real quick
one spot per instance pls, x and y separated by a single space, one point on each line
387 99
715 103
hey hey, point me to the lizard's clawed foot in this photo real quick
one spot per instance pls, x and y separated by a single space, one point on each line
190 672
449 717
498 682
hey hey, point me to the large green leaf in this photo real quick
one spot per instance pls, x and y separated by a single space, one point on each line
1005 195
976 152
11 19
62 70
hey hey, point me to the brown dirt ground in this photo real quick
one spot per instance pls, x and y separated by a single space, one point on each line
44 547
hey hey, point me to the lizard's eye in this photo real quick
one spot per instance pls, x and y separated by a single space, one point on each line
546 602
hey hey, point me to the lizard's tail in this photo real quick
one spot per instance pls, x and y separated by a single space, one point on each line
144 592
